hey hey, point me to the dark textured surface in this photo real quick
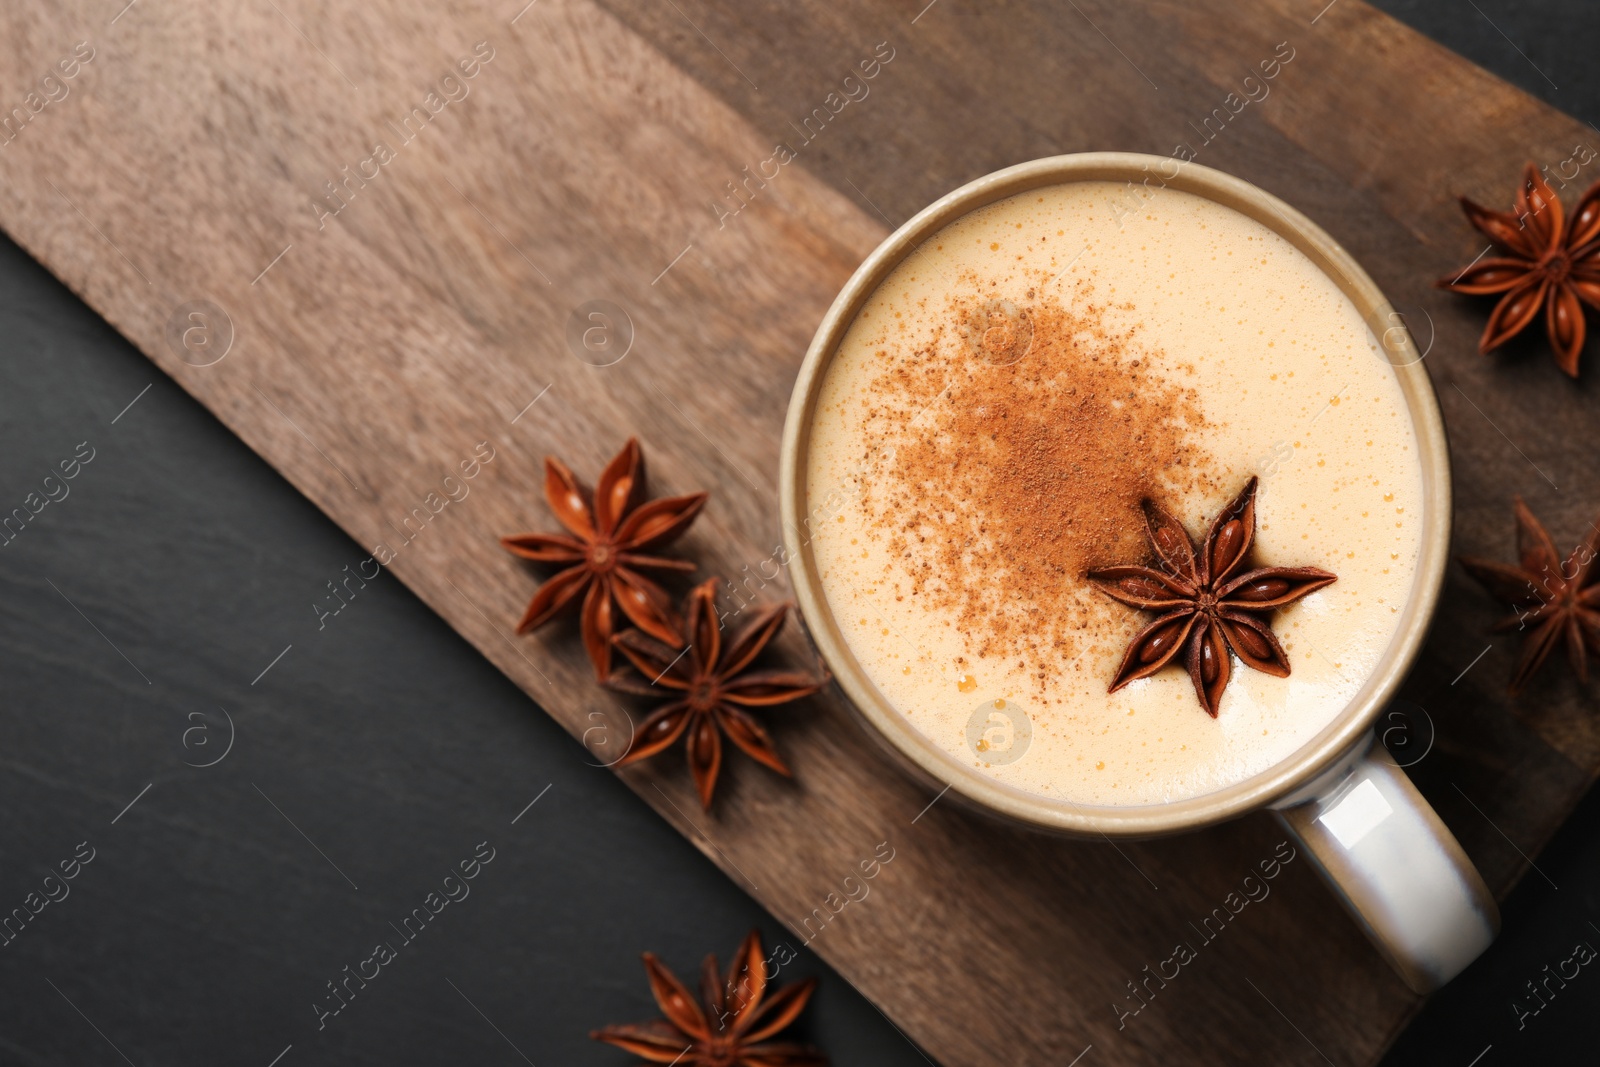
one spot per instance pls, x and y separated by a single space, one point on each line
207 924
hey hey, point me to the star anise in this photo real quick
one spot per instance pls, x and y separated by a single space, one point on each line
1557 598
730 1028
606 553
1206 606
1553 264
710 685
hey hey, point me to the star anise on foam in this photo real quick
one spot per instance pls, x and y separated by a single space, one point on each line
709 685
1557 598
1207 606
729 1027
1554 263
606 553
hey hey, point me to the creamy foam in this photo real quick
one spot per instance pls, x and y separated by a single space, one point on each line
984 435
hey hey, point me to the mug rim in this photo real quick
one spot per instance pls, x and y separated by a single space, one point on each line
1349 729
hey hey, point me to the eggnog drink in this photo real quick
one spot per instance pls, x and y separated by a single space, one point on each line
986 433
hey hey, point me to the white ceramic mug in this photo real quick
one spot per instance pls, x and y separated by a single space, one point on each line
1373 837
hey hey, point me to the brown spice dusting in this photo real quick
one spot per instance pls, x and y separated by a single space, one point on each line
1014 449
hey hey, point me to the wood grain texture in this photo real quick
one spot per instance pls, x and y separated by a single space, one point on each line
374 349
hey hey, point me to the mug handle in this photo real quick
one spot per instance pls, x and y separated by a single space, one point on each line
1395 866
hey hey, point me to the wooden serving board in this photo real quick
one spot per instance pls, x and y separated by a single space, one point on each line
589 157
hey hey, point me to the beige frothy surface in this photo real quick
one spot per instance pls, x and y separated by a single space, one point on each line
958 492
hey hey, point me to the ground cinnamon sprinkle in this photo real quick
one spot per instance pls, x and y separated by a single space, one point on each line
1010 454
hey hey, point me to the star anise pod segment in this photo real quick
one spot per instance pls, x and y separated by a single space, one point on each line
1207 604
1552 264
1556 600
605 553
709 686
730 1024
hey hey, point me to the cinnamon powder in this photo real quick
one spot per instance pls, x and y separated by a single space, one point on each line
1009 455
